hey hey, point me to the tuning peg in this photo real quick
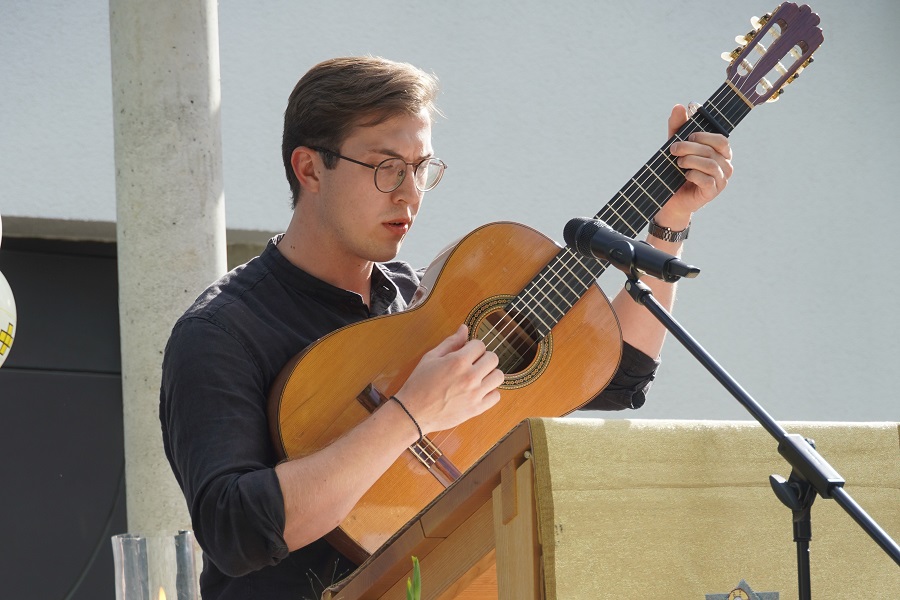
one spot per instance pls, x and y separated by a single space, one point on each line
747 37
774 97
800 68
732 56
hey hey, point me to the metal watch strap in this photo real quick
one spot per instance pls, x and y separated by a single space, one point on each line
667 235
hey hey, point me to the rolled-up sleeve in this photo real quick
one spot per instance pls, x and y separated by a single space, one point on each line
630 383
215 432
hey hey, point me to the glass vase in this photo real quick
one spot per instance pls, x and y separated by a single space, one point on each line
155 567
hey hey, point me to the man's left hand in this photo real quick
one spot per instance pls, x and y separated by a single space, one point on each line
705 159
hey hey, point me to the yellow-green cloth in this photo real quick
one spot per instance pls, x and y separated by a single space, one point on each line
681 509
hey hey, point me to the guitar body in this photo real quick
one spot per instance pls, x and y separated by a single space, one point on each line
314 400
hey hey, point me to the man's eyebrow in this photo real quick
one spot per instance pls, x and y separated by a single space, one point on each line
395 154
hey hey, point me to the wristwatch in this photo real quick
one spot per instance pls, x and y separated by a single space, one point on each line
667 235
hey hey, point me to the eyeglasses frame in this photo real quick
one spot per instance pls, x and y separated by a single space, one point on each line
415 167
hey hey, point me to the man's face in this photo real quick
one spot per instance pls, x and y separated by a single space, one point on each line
363 223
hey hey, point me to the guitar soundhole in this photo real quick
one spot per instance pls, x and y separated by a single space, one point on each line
511 338
523 354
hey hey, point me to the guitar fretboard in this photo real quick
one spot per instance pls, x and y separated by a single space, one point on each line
553 291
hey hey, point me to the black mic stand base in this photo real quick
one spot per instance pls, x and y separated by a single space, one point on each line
798 495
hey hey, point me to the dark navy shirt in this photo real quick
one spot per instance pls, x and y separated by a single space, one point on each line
219 364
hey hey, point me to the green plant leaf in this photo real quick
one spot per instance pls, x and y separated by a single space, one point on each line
414 585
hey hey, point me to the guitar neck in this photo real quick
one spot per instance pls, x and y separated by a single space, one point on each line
658 180
553 291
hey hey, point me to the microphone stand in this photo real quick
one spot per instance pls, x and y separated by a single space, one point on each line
810 473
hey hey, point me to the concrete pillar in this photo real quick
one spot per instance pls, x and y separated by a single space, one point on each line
170 215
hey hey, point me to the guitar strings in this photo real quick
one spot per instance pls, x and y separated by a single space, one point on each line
640 193
543 283
542 287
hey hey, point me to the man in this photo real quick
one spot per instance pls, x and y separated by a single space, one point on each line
358 156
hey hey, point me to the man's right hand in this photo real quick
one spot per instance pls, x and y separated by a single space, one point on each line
452 383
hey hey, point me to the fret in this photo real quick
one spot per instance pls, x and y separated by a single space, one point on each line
553 291
547 301
655 174
723 116
619 218
634 208
576 269
572 295
559 298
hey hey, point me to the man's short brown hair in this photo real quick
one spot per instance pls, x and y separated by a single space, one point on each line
340 94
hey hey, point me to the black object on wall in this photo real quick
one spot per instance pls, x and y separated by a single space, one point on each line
61 448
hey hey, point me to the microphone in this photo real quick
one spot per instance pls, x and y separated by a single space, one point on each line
596 239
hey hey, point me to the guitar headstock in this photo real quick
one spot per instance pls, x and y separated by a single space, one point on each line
773 53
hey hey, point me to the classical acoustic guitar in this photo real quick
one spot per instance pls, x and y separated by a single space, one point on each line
533 303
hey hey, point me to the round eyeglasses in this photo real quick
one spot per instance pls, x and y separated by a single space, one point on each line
391 172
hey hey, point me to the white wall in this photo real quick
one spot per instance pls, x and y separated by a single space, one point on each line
551 107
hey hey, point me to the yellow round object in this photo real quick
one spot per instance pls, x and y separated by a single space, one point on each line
7 319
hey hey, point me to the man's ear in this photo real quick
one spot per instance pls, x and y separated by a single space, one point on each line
307 165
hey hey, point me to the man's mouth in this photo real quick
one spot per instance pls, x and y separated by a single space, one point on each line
400 223
401 226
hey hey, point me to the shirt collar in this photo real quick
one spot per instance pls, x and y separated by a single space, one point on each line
385 296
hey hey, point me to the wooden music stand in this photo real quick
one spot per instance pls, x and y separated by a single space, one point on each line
466 538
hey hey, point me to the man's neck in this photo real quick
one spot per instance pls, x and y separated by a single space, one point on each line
331 267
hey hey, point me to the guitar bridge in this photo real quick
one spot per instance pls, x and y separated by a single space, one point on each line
428 453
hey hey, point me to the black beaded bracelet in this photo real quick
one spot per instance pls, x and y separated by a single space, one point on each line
409 414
